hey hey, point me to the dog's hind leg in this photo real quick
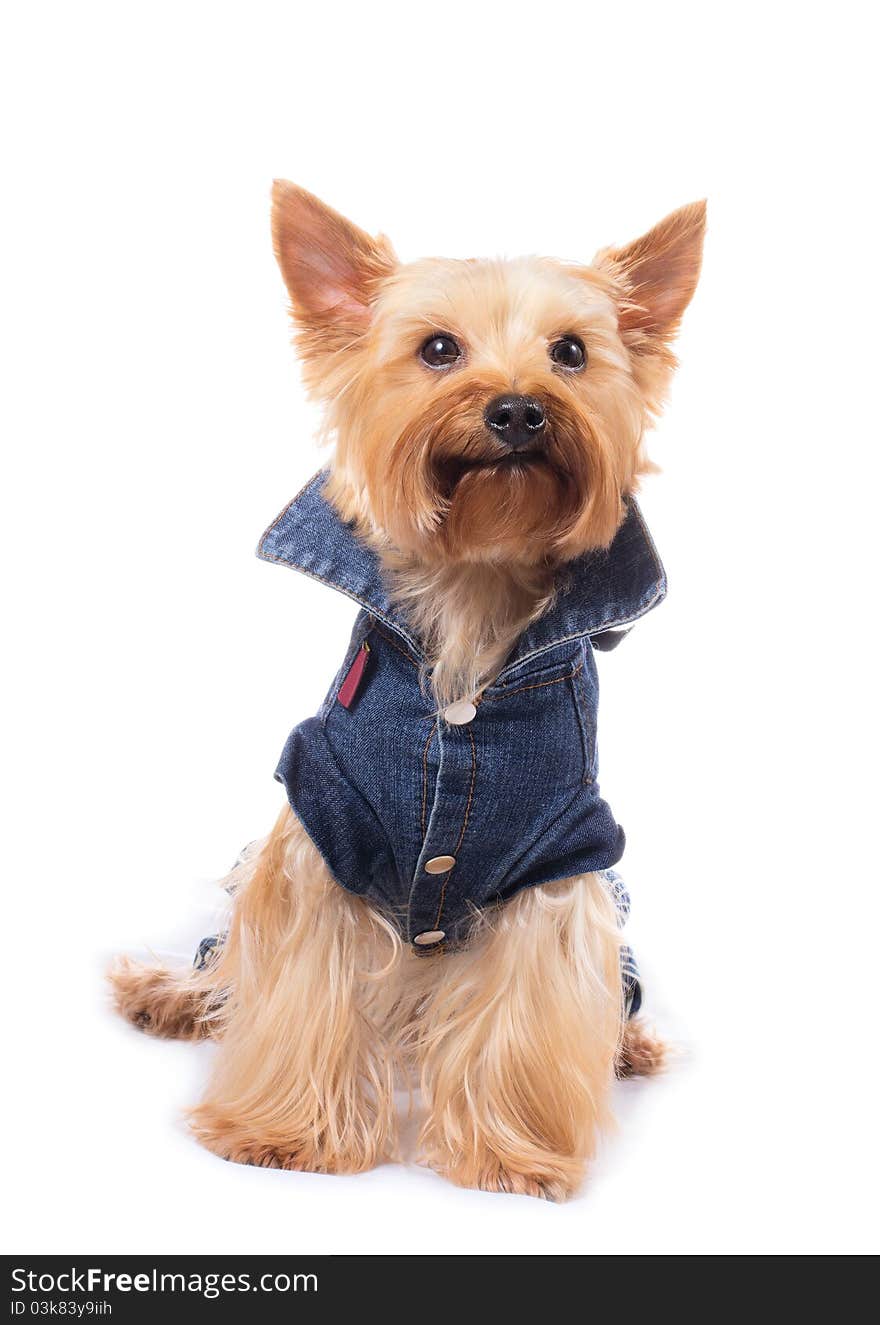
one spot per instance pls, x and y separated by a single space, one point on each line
303 1074
642 1053
518 1042
180 1003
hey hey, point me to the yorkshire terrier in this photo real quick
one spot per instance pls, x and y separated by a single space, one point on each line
436 900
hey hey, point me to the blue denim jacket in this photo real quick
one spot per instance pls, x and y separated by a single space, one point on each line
428 819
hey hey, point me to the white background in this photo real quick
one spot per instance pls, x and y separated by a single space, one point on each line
155 423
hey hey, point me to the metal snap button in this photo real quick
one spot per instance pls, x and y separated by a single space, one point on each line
460 713
430 936
439 864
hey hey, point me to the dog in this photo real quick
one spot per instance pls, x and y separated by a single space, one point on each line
436 900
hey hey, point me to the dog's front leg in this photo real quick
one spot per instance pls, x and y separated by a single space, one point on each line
303 1077
518 1042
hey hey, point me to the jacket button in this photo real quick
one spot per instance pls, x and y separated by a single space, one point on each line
460 713
439 864
430 936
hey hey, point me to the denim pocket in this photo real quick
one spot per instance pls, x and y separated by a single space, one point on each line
534 723
547 670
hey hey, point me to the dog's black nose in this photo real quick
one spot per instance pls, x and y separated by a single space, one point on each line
517 421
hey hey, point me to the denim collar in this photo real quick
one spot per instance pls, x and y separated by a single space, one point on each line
597 594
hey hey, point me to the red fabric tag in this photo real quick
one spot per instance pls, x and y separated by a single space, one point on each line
349 687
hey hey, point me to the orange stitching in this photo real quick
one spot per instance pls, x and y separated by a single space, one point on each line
569 676
442 900
395 645
281 514
467 815
467 808
369 608
425 778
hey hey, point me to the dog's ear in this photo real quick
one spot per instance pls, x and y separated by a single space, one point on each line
331 268
657 275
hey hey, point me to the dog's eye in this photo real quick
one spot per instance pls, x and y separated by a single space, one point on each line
440 351
569 353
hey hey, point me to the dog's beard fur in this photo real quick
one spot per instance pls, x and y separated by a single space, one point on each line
469 536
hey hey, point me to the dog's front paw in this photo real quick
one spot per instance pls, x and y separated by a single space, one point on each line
230 1140
553 1182
259 1154
264 1145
